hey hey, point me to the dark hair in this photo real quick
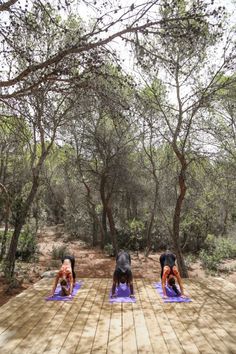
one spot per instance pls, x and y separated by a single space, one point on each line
63 282
171 282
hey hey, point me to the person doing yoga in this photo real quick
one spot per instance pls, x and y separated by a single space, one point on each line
169 273
66 276
122 273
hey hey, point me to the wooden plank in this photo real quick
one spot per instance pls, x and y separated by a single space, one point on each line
76 329
100 342
129 343
14 334
13 304
90 324
17 314
20 302
154 330
189 317
223 326
171 339
185 338
53 327
38 335
43 339
142 335
115 330
87 337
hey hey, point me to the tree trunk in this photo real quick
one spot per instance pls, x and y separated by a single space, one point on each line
11 257
176 223
128 209
104 211
104 226
112 229
225 223
95 231
149 231
6 217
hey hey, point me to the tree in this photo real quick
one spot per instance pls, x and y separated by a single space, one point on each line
183 58
102 139
54 63
43 114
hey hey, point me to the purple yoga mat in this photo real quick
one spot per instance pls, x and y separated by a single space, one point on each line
58 297
171 294
123 293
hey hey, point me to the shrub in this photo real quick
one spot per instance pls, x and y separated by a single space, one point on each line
59 252
27 245
215 251
189 259
109 250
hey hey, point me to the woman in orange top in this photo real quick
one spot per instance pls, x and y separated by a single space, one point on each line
67 276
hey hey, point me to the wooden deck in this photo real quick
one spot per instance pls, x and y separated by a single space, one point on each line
90 324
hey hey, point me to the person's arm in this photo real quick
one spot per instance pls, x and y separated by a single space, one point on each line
163 283
131 289
71 284
180 283
131 285
113 290
55 284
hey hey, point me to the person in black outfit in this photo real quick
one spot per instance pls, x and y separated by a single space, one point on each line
122 273
169 272
167 258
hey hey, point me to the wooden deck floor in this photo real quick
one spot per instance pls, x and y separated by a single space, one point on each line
90 324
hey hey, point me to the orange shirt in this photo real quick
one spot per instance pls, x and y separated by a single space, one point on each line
66 272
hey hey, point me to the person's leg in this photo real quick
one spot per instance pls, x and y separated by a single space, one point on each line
177 275
115 281
166 272
72 261
162 272
162 261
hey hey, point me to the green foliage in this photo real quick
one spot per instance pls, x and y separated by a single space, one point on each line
132 237
27 245
215 251
8 236
189 259
59 252
109 250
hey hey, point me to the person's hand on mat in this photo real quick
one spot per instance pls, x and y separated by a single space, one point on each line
183 296
165 297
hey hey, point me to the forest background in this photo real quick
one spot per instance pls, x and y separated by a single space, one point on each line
117 120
